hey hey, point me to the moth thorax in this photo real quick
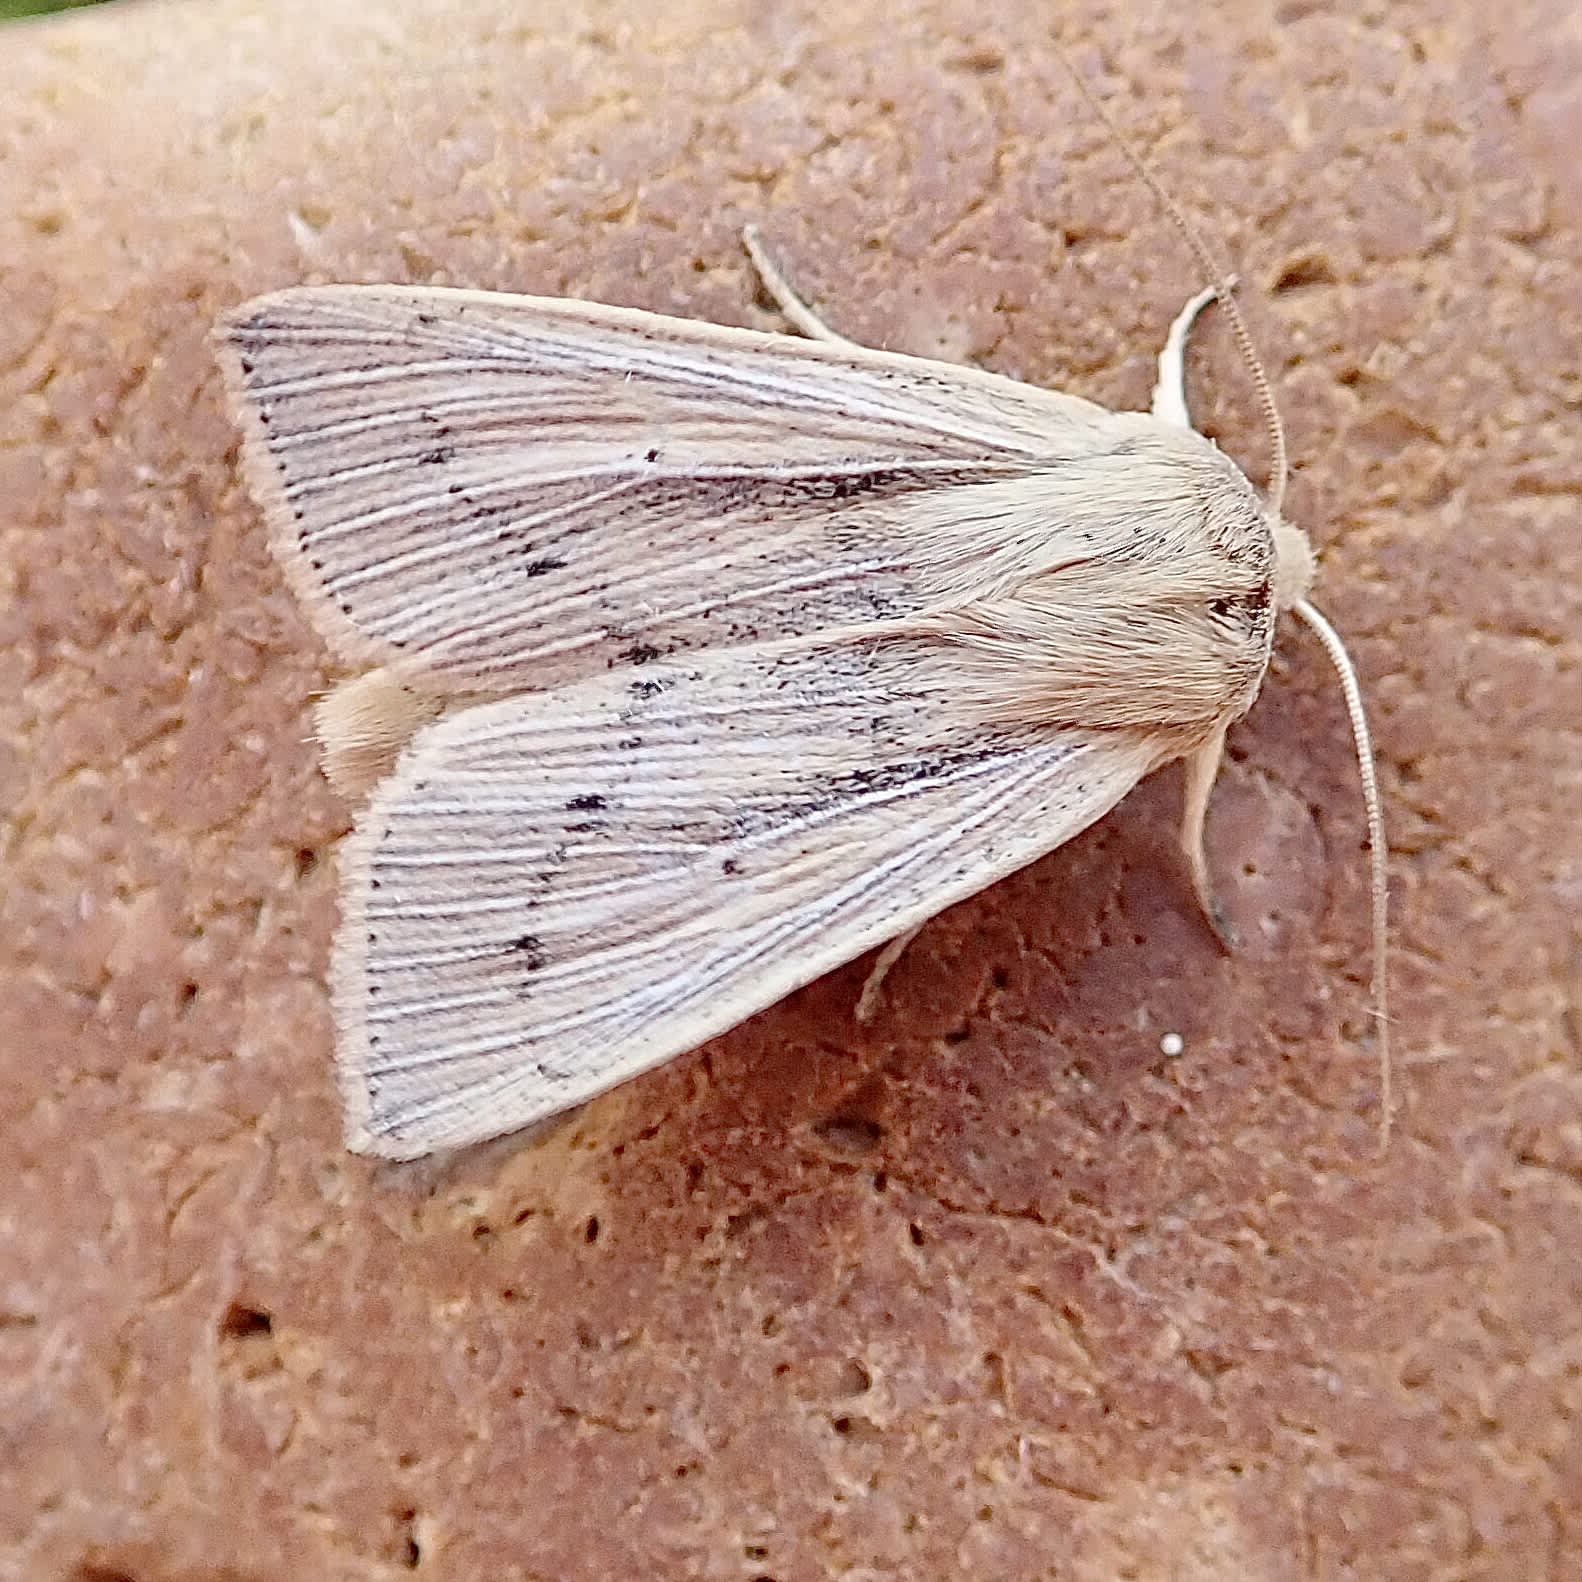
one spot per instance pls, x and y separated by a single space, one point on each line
1294 565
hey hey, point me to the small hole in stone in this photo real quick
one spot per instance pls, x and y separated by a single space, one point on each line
590 1231
851 1133
240 1322
915 1231
408 1550
855 1378
1307 269
981 59
306 861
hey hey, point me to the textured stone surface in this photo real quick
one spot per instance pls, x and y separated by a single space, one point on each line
993 1290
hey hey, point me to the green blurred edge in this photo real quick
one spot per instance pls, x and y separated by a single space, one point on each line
15 8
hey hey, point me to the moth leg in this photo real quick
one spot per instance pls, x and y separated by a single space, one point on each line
1202 769
784 295
1169 403
868 1000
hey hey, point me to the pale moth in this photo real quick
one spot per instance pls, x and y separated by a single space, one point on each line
699 661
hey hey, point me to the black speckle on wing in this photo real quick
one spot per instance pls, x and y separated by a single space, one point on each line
529 949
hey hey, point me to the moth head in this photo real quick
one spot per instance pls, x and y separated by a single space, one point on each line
1294 565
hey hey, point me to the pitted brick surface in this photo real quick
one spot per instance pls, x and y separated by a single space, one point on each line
991 1289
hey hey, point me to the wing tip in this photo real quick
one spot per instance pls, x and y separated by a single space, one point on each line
364 1130
265 481
368 1127
363 1138
234 325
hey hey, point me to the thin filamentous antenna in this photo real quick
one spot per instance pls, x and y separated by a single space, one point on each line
1279 468
1379 851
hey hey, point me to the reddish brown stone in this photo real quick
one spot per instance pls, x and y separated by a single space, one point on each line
993 1290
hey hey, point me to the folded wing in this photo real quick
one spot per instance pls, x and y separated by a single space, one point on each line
554 892
492 492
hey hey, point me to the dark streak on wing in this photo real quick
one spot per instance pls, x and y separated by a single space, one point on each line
827 791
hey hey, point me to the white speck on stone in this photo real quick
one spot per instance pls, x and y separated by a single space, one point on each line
1171 1044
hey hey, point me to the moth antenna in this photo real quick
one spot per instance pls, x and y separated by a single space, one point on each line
1279 468
1341 660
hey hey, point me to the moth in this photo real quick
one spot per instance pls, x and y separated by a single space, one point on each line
696 661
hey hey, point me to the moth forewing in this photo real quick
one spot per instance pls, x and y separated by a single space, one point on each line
499 492
559 890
